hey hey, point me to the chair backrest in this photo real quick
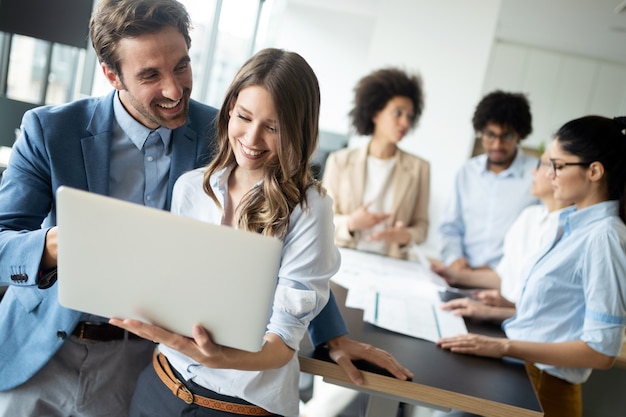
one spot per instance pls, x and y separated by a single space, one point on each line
11 118
329 142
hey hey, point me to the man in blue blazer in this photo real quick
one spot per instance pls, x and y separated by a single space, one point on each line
131 144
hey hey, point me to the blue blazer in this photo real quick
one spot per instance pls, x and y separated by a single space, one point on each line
61 145
69 145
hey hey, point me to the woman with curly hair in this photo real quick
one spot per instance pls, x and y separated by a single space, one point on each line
380 193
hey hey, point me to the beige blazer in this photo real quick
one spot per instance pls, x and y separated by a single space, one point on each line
344 179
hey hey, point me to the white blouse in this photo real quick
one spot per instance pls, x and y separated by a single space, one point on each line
309 260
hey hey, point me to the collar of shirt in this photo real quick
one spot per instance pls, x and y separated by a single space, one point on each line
574 218
552 216
137 132
219 182
516 169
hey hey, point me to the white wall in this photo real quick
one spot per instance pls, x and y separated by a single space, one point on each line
448 43
560 86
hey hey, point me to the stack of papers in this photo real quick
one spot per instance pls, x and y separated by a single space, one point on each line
397 295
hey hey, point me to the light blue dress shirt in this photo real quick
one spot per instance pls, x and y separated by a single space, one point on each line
482 208
309 259
575 290
139 167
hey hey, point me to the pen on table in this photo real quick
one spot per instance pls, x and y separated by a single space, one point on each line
376 309
436 317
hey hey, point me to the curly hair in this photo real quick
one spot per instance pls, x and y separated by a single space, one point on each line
294 89
373 92
118 19
510 110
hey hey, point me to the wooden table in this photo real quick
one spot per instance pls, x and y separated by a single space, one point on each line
443 380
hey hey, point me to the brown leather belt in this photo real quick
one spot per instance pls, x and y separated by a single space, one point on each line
163 370
100 332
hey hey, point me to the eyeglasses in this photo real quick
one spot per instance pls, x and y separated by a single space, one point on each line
556 165
506 137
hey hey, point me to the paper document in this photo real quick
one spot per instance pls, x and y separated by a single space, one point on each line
397 295
363 269
412 316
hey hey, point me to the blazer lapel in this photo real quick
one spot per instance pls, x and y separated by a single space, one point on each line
360 168
402 180
184 156
97 148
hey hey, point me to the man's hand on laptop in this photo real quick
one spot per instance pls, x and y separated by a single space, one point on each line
344 350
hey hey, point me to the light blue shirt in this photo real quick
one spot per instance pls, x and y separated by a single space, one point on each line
309 259
575 290
139 168
482 208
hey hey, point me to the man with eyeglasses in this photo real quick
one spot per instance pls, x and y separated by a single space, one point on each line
490 190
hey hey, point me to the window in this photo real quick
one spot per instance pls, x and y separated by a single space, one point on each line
223 37
218 54
42 72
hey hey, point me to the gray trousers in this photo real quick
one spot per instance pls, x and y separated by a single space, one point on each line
83 379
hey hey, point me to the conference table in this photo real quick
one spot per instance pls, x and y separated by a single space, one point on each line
443 380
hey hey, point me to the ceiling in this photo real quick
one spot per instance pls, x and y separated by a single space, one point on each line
584 27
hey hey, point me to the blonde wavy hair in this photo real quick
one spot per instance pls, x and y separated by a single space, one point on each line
294 89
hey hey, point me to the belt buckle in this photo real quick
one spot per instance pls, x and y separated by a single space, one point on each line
185 390
81 330
84 325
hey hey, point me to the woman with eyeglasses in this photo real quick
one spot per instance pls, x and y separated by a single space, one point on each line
259 181
571 314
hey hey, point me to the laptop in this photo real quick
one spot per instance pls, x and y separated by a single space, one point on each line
125 260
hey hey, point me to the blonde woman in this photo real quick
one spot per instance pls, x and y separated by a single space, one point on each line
260 181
